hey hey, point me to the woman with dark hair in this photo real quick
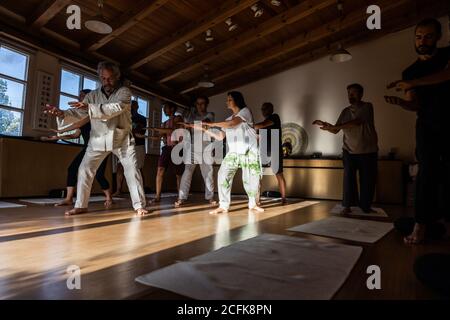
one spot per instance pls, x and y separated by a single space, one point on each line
243 152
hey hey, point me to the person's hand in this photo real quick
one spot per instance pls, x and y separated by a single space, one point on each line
50 138
328 127
53 111
393 100
78 105
400 85
318 123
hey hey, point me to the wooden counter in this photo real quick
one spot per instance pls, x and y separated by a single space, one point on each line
33 168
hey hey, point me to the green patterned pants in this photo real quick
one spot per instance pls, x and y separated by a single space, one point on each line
251 174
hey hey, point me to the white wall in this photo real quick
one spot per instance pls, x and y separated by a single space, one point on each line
317 90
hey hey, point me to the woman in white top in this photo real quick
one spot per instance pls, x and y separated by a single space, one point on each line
243 152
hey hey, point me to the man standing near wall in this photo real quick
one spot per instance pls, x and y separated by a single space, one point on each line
426 84
360 149
108 108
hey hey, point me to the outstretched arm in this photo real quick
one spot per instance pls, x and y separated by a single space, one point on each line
216 135
225 124
264 124
410 103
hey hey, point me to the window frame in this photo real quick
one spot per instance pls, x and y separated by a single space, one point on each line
83 74
24 82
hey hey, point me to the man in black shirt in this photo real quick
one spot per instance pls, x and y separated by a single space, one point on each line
139 123
426 84
272 122
83 129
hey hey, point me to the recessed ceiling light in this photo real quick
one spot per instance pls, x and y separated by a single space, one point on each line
209 36
189 46
275 3
231 26
257 10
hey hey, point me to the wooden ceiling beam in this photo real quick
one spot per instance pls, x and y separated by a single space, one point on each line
357 17
128 19
220 14
46 11
297 13
406 20
15 27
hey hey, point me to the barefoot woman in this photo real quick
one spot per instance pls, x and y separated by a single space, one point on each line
243 153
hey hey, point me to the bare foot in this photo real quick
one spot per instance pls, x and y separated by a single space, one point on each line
257 209
141 212
212 202
179 203
417 236
76 211
346 210
218 211
108 203
65 202
117 194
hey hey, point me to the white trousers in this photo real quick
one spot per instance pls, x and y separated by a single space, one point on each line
207 174
92 160
250 165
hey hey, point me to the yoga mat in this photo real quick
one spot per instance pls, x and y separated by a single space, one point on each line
357 212
5 205
346 228
268 266
51 201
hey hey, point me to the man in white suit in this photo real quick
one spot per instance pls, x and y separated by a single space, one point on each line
109 110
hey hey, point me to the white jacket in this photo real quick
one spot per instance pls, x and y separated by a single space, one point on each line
110 119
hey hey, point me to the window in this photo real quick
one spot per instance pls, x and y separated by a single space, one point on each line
13 86
143 103
144 109
72 82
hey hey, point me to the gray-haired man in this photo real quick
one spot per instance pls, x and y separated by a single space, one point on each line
109 110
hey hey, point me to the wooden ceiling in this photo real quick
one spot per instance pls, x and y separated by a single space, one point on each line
149 36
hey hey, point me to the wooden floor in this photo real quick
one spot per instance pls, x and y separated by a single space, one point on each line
112 248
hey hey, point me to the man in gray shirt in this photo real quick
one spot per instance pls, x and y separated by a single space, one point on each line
200 113
360 149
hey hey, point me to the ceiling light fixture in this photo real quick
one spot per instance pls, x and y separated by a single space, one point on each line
189 46
340 54
98 24
205 82
209 36
275 3
257 10
231 26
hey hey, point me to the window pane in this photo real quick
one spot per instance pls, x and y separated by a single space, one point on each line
10 122
63 102
89 84
143 107
70 83
13 64
164 118
11 93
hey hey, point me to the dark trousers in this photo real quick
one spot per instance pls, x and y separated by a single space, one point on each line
72 172
433 178
367 166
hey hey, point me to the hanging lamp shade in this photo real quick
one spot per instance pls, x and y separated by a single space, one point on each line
340 55
98 24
